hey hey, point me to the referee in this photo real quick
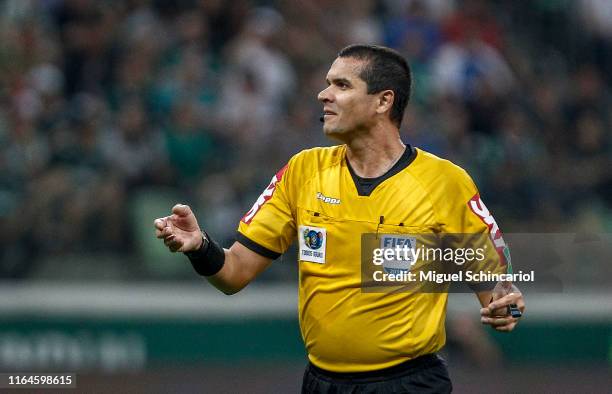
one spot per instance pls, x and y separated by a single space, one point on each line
328 198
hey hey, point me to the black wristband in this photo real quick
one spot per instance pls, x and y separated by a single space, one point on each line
209 259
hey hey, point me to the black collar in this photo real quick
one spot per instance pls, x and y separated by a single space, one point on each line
365 186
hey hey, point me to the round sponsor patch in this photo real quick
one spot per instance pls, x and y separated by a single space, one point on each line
313 239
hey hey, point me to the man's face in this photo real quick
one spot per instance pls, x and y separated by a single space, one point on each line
347 106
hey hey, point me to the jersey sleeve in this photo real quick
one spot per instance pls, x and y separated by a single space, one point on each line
268 228
469 225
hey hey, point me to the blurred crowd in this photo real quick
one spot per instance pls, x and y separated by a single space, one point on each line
102 101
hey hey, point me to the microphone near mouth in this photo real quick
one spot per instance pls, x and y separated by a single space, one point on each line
322 119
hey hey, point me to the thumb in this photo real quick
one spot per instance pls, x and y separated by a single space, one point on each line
501 302
181 210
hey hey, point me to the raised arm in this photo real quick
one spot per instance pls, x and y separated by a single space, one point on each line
229 270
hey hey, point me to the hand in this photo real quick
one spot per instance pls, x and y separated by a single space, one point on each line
180 231
496 313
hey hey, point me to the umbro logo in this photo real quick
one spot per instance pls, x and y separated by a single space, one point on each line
328 200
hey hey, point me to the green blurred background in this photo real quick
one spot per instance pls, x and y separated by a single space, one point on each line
111 112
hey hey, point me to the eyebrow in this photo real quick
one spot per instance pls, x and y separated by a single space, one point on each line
339 80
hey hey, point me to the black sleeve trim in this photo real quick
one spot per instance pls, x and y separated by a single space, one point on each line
255 247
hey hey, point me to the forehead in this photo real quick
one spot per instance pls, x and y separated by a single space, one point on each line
345 67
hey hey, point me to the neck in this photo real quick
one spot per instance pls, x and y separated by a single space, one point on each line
373 154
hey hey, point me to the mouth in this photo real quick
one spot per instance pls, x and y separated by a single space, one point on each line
327 113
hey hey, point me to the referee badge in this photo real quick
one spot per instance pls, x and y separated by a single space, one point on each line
403 260
312 244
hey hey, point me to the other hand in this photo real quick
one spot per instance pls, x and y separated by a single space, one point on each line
180 231
495 314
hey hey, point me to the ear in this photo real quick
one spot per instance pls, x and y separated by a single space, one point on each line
385 101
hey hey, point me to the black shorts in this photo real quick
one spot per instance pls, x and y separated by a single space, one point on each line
425 374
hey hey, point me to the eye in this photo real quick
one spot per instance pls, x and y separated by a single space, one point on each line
342 85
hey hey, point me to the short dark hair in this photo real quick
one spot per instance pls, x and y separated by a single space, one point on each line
385 69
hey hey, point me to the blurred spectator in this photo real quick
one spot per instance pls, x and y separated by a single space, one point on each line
469 68
589 94
134 150
414 28
596 17
591 155
189 145
361 24
258 80
473 19
546 104
417 36
86 33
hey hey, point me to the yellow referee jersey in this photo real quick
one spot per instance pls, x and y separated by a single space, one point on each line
318 199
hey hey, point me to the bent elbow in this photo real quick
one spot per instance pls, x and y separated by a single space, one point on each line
231 290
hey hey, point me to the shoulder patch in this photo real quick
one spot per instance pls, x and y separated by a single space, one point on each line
265 196
480 209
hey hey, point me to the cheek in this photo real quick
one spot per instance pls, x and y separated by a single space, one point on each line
360 109
355 106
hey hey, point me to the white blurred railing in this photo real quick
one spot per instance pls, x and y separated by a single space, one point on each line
201 301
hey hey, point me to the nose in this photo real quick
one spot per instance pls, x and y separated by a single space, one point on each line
325 95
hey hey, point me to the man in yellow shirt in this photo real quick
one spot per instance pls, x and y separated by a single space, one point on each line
342 201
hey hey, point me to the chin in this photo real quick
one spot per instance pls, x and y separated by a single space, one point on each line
335 134
330 131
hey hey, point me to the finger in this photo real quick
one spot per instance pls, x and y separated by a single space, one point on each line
506 328
495 312
173 243
504 301
181 210
160 223
165 232
175 246
498 321
168 239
